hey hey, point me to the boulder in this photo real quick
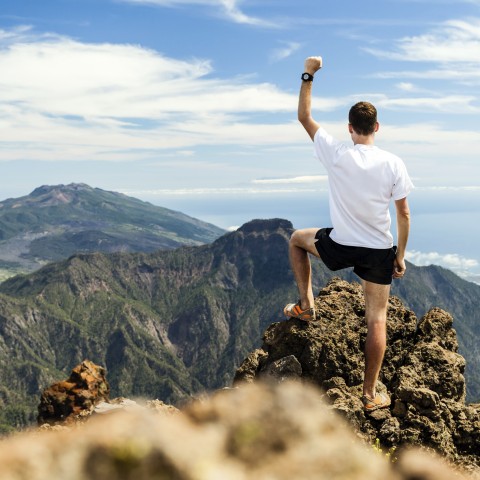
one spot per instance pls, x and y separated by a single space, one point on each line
422 372
65 401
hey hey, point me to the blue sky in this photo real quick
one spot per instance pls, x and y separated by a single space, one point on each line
191 104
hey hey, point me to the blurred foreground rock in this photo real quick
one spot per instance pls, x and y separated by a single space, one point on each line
259 431
422 372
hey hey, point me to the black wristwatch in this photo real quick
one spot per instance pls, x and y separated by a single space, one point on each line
306 77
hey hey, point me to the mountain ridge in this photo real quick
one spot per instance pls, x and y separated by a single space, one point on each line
173 323
55 222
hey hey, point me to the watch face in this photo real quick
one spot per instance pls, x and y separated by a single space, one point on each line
306 76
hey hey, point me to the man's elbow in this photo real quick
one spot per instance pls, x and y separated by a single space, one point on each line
403 217
309 125
304 119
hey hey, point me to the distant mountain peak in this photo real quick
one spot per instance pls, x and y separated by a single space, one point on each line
71 187
269 225
50 195
57 221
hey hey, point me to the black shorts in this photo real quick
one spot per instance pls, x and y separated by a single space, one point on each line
371 264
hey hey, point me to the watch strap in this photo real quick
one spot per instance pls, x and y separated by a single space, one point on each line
306 77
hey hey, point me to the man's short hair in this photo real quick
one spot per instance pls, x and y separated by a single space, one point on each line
363 117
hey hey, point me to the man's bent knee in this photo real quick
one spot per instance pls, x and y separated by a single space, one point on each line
305 239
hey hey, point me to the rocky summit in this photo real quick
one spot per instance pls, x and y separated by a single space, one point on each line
422 372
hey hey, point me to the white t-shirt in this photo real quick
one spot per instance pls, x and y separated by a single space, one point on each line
362 181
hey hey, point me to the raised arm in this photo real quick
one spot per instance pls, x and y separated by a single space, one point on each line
312 65
403 229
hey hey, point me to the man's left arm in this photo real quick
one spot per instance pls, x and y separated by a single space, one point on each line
403 230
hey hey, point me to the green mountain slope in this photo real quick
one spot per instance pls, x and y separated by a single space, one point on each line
173 323
55 222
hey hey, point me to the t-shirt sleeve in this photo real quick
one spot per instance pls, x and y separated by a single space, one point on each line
403 184
326 148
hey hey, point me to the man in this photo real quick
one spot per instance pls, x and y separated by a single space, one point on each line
362 181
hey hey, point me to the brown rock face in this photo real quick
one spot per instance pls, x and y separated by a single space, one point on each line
422 371
62 402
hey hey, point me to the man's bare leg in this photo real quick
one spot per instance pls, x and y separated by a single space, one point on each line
301 244
376 300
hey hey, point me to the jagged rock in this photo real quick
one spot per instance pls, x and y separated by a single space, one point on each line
251 365
65 401
260 431
281 370
422 371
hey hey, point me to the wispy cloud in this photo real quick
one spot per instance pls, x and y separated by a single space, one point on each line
230 9
293 180
406 86
460 104
422 142
454 46
61 99
284 52
456 41
228 191
467 74
459 188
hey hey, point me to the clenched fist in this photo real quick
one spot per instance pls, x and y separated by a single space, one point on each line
312 64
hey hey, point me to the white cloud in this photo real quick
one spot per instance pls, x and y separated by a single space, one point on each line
15 33
282 53
456 41
467 74
63 99
462 188
454 46
227 191
293 180
406 86
460 104
229 8
471 277
460 265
